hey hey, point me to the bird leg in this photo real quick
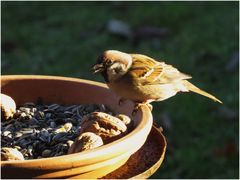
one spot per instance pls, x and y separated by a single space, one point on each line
147 103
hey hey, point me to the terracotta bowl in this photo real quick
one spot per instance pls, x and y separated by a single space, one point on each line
88 164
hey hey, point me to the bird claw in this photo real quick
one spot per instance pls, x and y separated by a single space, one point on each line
137 106
135 109
149 106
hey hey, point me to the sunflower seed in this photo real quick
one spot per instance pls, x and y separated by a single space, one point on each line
46 153
6 133
53 106
18 134
52 124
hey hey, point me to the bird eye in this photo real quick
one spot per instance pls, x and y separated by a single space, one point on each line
108 63
117 70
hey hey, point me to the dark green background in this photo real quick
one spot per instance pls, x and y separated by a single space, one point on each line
64 38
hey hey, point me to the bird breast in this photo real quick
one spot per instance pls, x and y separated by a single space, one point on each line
140 93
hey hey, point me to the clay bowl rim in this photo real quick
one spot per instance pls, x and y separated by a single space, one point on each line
146 117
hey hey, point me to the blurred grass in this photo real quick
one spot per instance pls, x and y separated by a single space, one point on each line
64 38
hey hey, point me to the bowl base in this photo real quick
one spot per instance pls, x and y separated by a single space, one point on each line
145 161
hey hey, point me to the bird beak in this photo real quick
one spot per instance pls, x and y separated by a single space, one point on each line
98 68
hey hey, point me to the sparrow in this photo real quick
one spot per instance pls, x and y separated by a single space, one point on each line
142 79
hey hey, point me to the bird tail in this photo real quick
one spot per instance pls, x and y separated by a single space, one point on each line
195 89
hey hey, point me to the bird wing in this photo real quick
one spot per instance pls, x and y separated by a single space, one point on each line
147 71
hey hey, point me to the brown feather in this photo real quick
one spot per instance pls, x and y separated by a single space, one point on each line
195 89
152 72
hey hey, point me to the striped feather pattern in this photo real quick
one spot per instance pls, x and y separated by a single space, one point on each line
147 71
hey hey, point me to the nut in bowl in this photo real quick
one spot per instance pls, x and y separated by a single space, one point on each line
85 141
93 163
8 154
108 127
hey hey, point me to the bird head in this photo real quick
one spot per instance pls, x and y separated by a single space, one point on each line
113 64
